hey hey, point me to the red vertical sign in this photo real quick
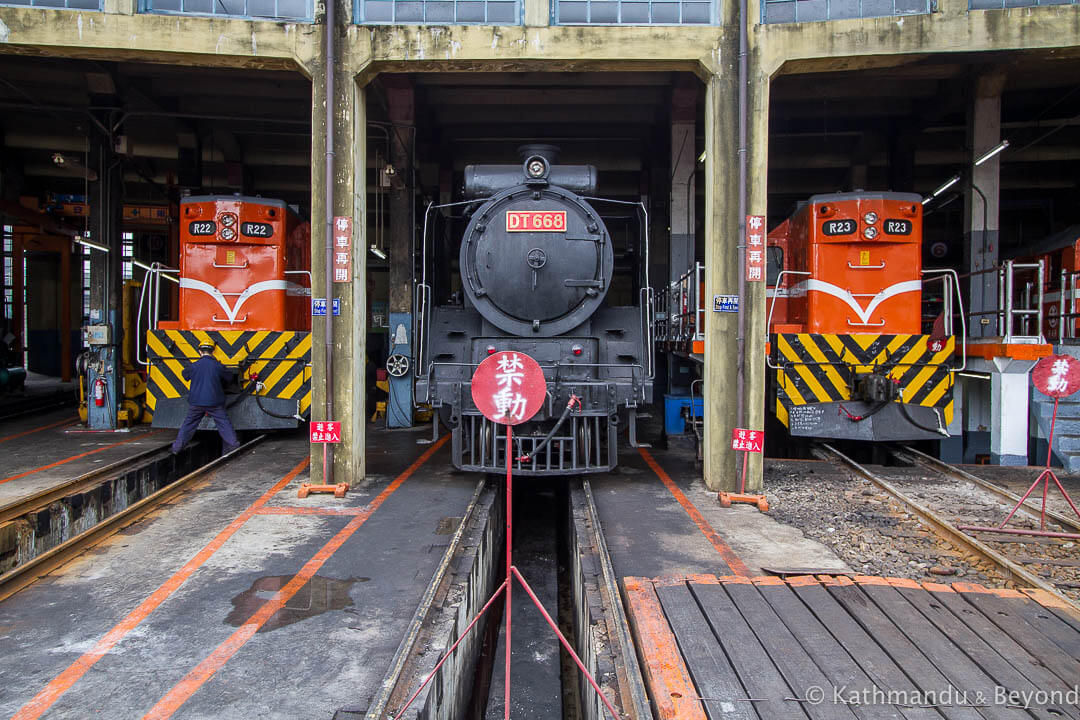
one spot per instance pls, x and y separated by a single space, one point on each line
755 248
342 249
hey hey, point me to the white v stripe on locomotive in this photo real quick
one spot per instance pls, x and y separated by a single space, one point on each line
219 297
845 295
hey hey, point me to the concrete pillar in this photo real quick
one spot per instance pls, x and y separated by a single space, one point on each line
402 106
683 167
721 277
722 267
1009 393
537 13
349 328
106 276
981 203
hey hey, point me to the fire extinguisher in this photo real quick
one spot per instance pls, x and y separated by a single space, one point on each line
99 392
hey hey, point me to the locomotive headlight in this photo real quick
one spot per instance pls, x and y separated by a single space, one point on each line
870 218
227 220
536 168
869 233
227 233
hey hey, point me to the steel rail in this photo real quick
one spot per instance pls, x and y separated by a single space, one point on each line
943 528
26 574
1029 507
393 678
631 678
43 498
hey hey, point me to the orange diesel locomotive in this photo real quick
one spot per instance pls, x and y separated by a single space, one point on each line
245 286
848 357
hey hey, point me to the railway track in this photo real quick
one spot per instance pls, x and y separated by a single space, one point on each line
47 511
601 634
943 497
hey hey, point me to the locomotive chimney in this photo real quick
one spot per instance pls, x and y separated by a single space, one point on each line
550 153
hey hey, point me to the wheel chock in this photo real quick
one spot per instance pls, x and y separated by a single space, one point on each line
306 489
726 499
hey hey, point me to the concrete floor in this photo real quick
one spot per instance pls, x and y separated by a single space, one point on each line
39 451
651 534
330 644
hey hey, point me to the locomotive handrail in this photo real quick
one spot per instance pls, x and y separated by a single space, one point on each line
230 267
946 274
1006 311
866 267
231 321
772 306
865 324
152 279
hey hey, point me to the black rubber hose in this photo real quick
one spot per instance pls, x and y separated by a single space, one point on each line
551 433
859 418
907 416
271 413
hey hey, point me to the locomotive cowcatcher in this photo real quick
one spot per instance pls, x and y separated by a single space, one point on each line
244 286
852 352
538 275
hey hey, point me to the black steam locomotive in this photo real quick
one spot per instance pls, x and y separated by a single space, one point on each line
540 273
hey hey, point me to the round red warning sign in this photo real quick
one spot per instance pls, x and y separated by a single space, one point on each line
509 388
1057 376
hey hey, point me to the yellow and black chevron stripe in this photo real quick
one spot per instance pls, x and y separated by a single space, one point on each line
282 360
823 368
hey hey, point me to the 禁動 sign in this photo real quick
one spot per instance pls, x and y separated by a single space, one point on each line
747 440
343 227
509 387
1057 376
318 307
725 303
326 431
755 248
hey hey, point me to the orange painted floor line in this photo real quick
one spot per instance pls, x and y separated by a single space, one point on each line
280 510
63 682
58 463
737 566
24 433
217 659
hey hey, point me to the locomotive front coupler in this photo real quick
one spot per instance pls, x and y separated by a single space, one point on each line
876 387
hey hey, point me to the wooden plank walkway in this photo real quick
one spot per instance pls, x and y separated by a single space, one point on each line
867 648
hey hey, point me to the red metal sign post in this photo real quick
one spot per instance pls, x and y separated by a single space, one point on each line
509 389
1056 376
325 432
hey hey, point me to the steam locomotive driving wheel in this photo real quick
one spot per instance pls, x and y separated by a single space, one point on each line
397 365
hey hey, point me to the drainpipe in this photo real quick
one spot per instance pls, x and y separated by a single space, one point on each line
328 459
743 110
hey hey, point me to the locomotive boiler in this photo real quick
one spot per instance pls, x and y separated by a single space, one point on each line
245 286
861 344
540 272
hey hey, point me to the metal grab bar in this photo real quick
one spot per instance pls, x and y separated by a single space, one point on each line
215 318
865 324
772 306
231 267
950 280
151 295
866 267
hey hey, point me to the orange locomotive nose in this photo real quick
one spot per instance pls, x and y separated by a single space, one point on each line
243 265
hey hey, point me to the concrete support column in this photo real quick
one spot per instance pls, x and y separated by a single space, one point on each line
1009 393
106 281
349 328
537 13
981 203
683 166
721 277
402 105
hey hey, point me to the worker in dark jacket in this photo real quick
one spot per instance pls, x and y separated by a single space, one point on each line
206 397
